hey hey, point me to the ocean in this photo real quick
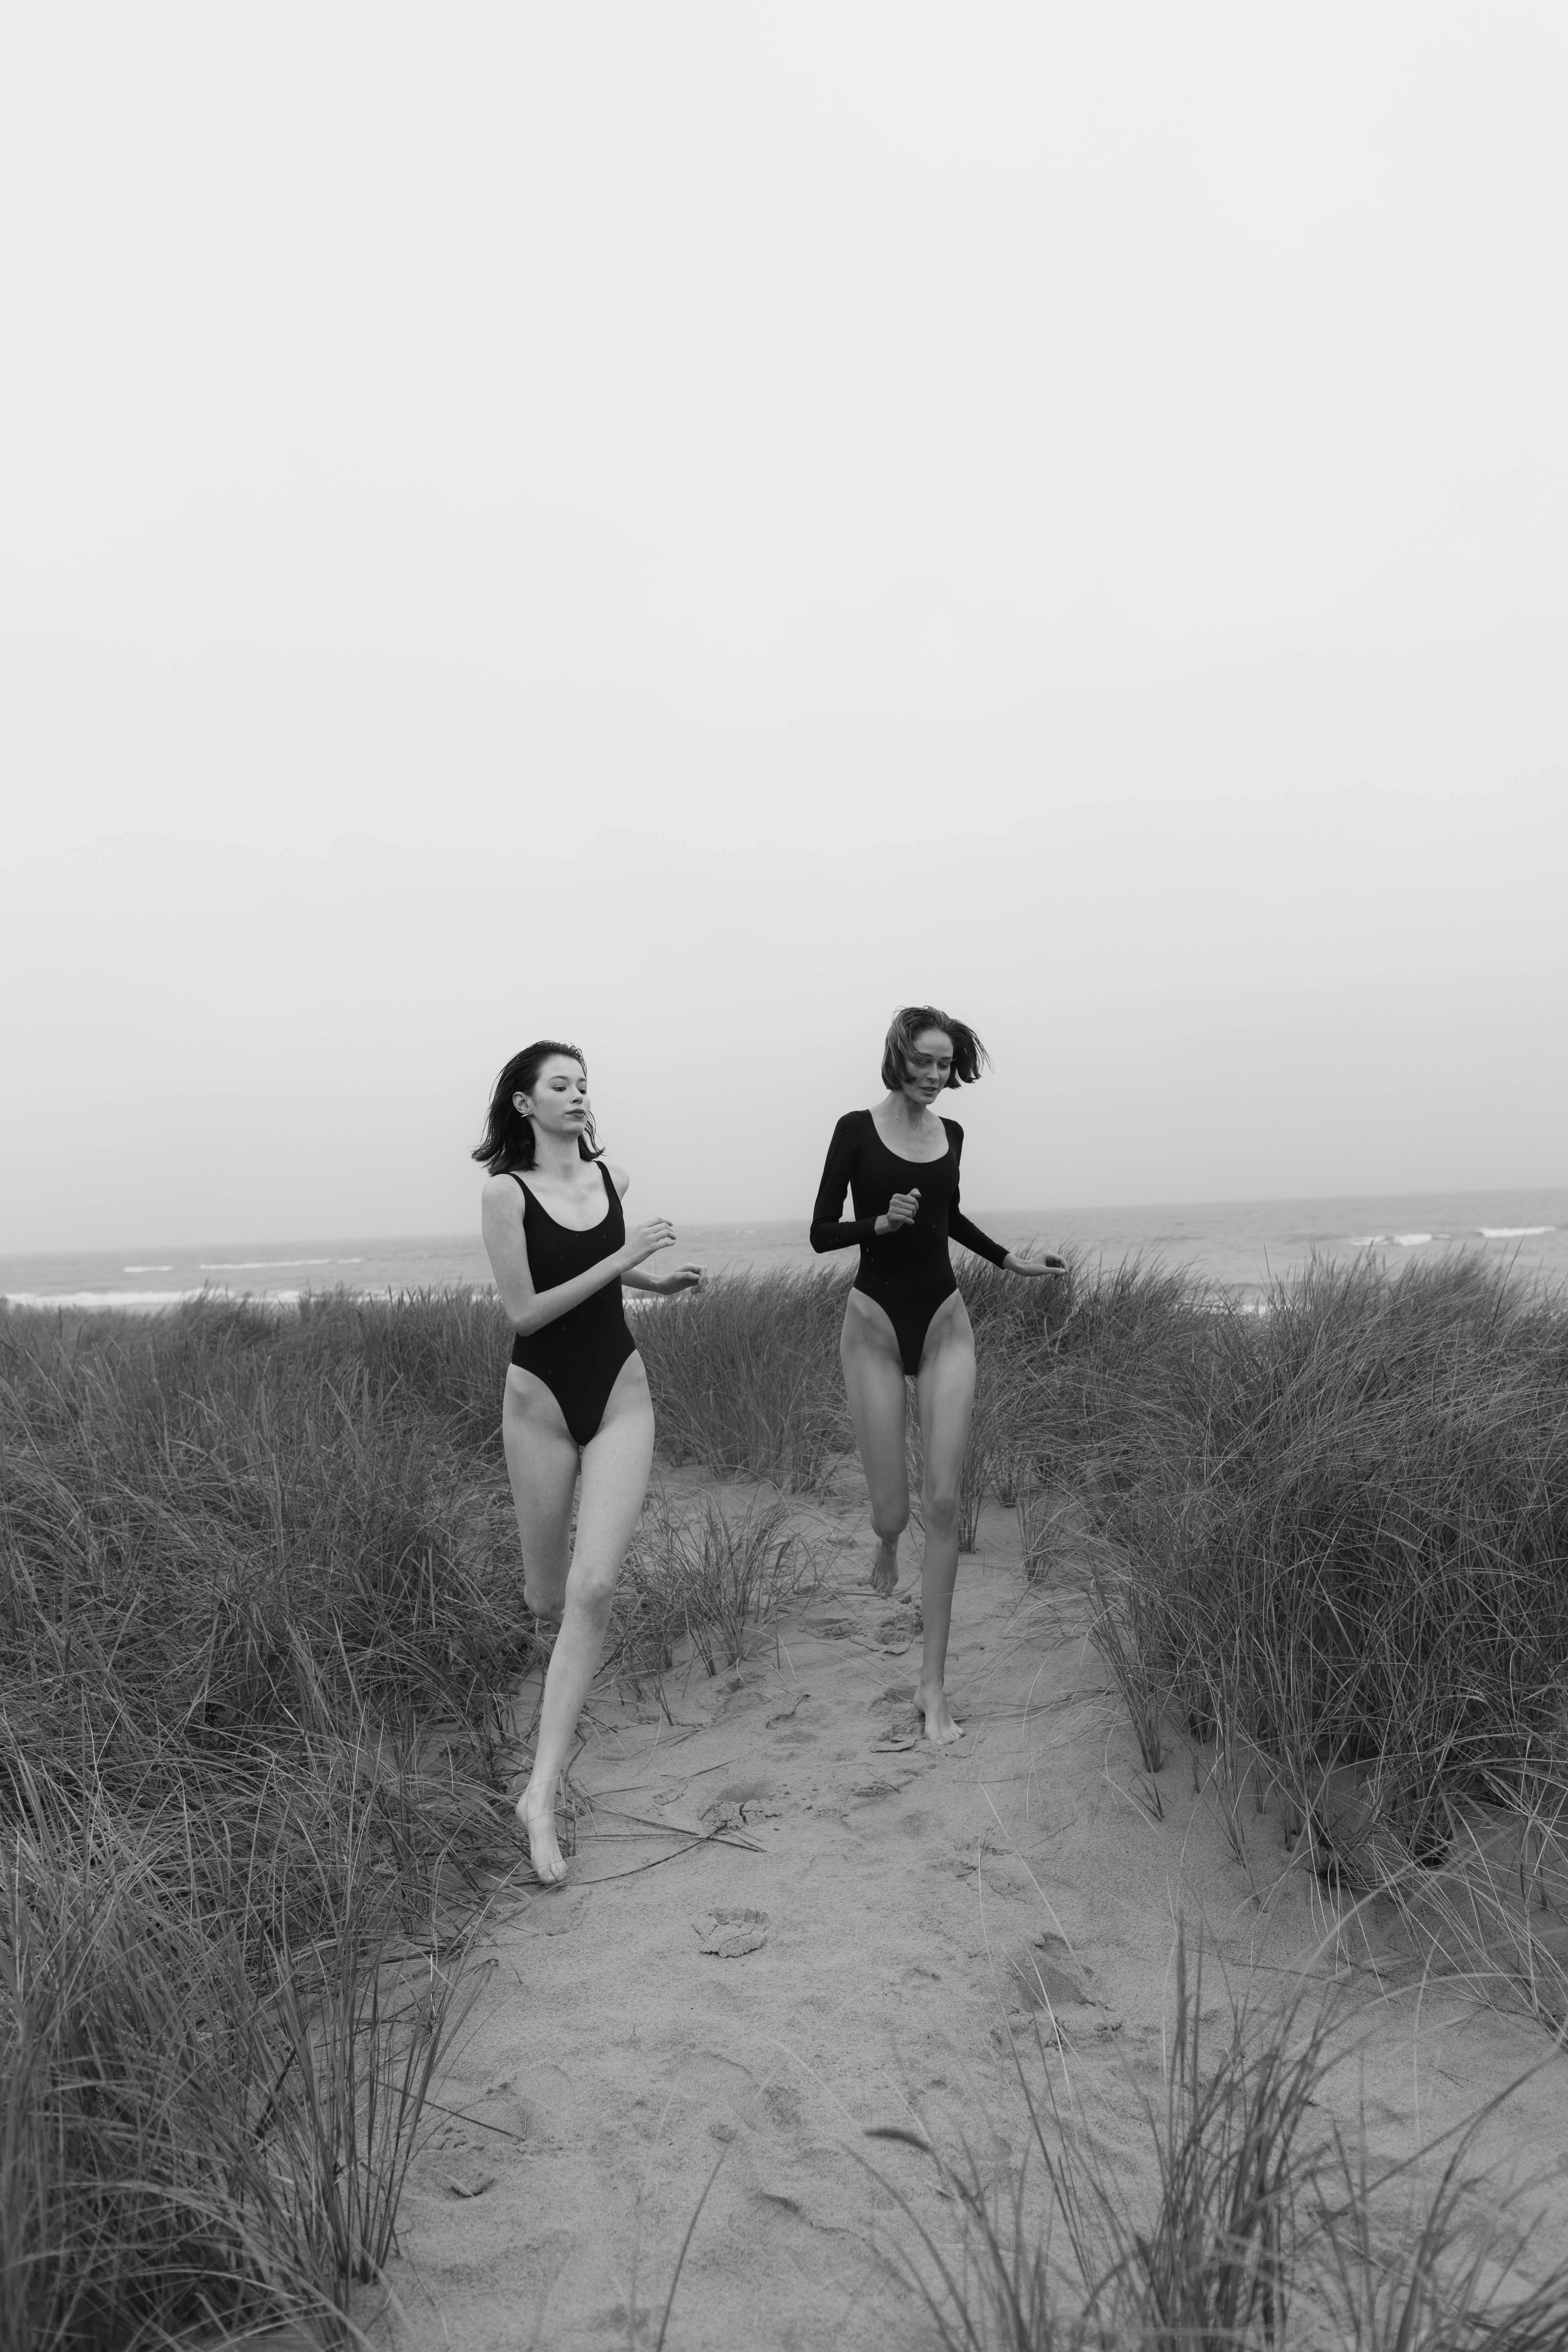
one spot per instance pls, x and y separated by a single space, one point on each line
1240 1244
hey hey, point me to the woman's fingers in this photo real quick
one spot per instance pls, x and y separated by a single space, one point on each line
644 1241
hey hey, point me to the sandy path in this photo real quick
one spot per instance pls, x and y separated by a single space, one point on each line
610 2062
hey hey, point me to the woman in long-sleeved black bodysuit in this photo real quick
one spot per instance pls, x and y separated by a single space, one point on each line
905 1315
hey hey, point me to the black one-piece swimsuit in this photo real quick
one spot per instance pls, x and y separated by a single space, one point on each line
909 1272
580 1354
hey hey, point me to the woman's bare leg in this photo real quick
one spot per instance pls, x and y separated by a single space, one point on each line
542 1465
944 1397
874 1384
615 1465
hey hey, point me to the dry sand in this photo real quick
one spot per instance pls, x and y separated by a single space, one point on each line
788 1921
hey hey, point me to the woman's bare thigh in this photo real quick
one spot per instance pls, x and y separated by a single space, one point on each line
542 1463
944 1393
616 1463
878 1404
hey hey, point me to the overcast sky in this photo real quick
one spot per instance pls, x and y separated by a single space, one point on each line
688 527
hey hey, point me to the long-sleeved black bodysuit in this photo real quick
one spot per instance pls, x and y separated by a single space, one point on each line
908 1272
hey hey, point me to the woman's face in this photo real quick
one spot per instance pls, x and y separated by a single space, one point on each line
559 1103
928 1066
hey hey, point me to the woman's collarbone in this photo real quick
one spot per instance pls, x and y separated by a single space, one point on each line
918 1159
553 1202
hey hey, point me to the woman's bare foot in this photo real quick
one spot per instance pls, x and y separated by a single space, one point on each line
536 1813
885 1569
937 1717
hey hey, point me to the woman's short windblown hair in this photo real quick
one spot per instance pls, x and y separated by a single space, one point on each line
969 1056
508 1139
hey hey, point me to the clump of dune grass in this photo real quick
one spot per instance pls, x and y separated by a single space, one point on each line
1046 1532
1252 2220
254 1646
1344 1525
201 2123
711 1571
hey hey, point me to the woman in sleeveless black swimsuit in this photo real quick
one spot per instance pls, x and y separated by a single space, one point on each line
905 1316
576 1395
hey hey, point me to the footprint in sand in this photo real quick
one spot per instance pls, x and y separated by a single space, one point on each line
1044 1974
781 2101
731 1935
902 1733
728 1817
471 2181
751 1798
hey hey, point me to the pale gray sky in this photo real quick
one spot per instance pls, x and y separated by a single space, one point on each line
690 526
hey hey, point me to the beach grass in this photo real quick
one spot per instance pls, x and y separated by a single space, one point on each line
711 1570
256 1635
261 1623
1334 1545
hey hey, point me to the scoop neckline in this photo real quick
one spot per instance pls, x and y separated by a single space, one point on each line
903 1157
556 1221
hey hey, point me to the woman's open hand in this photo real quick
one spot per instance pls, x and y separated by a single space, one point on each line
644 1241
685 1278
901 1210
1016 1263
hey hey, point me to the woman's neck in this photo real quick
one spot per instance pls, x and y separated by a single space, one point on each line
902 1112
556 1156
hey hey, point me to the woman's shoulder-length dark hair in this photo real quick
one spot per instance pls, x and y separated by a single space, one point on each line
508 1139
969 1056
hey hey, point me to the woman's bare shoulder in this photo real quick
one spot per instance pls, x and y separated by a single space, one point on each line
499 1188
618 1176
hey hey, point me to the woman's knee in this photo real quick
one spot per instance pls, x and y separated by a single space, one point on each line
940 1506
590 1587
